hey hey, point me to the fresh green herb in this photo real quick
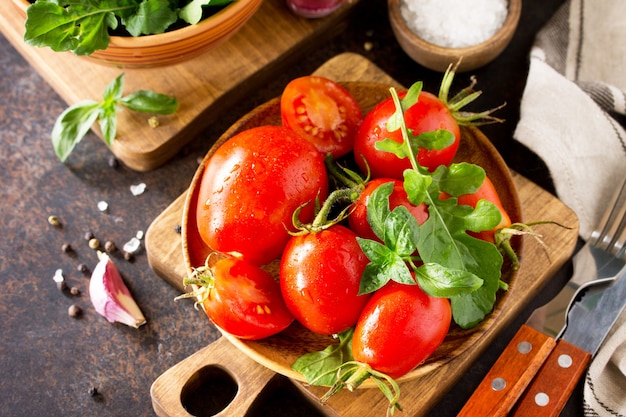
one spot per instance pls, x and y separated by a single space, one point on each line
320 367
452 264
74 123
84 27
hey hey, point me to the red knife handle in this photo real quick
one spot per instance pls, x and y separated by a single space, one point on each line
549 391
510 375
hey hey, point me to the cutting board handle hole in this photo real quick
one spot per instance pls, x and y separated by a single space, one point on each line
208 391
281 398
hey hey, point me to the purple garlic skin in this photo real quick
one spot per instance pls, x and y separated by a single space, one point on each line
110 296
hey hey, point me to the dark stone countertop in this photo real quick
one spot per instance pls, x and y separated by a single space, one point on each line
50 362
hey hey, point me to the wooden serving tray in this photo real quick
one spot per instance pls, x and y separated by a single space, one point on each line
539 263
205 86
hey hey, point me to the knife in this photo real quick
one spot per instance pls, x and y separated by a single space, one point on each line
589 321
564 357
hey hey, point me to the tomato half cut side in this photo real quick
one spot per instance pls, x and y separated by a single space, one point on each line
321 111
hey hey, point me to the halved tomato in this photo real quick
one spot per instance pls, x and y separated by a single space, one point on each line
321 111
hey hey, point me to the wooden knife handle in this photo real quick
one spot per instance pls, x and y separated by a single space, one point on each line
510 375
549 391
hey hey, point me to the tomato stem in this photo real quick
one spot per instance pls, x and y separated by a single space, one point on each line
352 374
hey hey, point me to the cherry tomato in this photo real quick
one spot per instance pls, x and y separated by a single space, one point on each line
358 218
245 300
428 114
320 275
321 111
250 188
399 328
488 192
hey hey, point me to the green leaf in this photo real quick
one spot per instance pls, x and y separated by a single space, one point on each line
113 91
401 231
378 208
72 125
416 186
438 281
151 17
412 95
436 139
150 102
319 367
108 124
391 146
459 179
192 12
485 216
81 27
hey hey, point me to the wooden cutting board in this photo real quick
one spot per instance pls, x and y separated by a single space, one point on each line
539 263
205 86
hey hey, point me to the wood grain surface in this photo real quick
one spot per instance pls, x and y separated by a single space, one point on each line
539 263
205 86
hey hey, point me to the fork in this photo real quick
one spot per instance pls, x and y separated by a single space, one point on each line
597 262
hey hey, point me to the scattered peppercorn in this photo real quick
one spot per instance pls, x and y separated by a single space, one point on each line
66 248
74 310
109 246
178 228
54 221
128 256
94 243
74 291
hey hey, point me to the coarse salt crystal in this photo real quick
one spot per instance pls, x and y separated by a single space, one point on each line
454 23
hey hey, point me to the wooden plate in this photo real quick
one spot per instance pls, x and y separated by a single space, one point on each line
280 351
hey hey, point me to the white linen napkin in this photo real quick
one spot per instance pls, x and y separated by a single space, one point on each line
572 106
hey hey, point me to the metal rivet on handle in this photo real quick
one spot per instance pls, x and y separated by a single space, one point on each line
542 399
524 347
498 384
565 361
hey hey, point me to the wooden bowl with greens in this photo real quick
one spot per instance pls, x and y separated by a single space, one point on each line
147 33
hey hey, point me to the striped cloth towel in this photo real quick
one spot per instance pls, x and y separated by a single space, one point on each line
573 115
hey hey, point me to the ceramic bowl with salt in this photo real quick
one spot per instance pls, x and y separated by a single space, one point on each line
437 34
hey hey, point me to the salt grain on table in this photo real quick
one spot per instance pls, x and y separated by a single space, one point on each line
454 23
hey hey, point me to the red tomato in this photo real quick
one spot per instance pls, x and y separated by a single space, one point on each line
250 188
245 300
320 275
358 218
399 328
321 111
488 192
428 114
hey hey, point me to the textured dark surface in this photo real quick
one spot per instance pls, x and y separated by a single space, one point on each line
49 361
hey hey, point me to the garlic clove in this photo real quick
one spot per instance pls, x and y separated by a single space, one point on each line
110 296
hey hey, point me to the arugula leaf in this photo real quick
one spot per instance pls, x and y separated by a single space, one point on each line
80 27
319 367
151 17
74 123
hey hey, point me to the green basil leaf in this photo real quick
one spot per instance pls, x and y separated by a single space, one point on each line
192 12
150 102
151 17
72 125
113 90
108 124
439 281
401 231
378 208
319 367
